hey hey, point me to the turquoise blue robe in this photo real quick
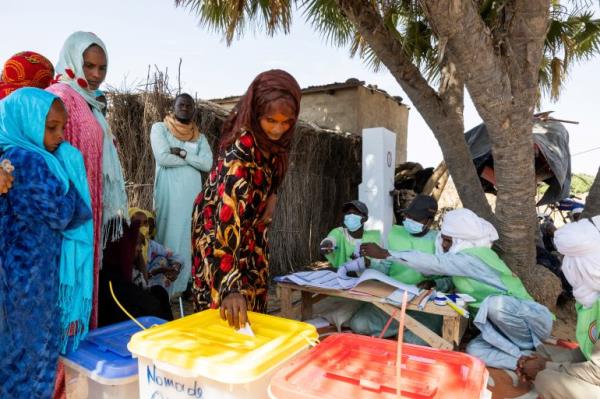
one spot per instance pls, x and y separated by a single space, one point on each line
176 185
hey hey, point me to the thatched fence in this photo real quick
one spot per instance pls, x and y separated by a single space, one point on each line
324 172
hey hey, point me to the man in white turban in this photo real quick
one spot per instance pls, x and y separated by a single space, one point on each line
560 373
511 323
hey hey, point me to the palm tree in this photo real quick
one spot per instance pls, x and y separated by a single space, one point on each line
506 53
573 33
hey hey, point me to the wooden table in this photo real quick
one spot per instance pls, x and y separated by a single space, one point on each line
453 327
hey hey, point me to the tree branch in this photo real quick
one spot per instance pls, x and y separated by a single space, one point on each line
470 43
452 87
592 202
527 29
527 25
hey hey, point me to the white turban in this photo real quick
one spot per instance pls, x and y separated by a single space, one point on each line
580 243
467 231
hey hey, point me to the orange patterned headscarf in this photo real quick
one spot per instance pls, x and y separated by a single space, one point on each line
25 69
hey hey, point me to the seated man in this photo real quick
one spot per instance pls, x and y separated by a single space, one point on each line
560 373
342 243
509 320
414 234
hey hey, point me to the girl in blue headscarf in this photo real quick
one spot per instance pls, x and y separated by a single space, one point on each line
46 248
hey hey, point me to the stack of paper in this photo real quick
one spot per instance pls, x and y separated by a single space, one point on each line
371 282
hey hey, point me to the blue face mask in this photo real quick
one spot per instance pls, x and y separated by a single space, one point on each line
352 222
413 227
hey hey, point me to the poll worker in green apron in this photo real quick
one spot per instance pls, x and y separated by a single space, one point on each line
341 248
510 322
414 233
560 373
342 243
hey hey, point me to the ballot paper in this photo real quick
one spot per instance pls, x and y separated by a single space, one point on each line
246 330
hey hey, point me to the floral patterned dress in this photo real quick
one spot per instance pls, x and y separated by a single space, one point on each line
230 247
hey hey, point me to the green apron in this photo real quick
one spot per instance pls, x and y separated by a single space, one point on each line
401 240
588 321
480 290
344 248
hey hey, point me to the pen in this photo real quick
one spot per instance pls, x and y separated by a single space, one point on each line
457 309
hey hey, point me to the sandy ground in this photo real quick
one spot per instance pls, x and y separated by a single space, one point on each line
566 320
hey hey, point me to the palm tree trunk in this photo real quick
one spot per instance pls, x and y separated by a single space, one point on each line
501 76
592 203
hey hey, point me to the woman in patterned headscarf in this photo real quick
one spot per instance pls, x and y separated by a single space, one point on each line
232 214
25 69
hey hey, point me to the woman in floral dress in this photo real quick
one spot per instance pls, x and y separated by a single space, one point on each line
232 214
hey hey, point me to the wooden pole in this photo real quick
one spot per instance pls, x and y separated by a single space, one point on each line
400 341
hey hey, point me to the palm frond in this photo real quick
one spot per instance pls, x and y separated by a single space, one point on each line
557 70
326 17
361 48
573 36
233 17
586 40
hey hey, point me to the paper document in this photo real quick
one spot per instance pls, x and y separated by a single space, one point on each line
246 330
395 298
371 274
373 288
467 298
317 278
330 280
